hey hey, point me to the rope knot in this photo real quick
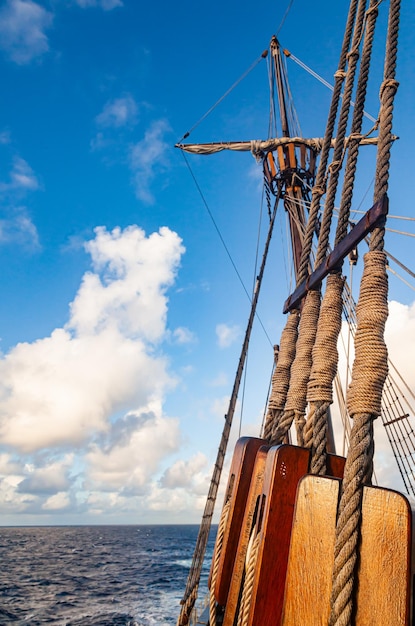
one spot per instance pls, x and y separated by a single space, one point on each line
354 137
340 74
373 9
334 166
391 84
318 190
353 54
256 151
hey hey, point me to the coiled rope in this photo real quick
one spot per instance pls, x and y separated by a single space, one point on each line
325 355
285 418
370 366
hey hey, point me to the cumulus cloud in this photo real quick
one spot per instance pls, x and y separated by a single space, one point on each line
47 479
63 388
58 502
96 387
118 112
227 335
185 473
127 464
148 158
22 30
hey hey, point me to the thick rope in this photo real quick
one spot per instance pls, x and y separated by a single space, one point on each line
300 370
329 329
218 551
245 605
296 398
188 607
335 168
360 466
364 405
318 191
325 358
319 187
281 376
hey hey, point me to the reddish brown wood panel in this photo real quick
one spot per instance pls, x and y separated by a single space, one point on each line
248 523
239 481
285 466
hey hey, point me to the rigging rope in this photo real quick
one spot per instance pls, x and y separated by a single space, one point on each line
202 539
323 372
369 344
223 242
287 417
231 88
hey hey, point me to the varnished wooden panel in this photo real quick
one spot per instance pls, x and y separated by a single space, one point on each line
247 526
385 574
285 466
239 481
310 564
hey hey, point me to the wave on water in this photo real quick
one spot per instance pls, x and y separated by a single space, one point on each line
95 575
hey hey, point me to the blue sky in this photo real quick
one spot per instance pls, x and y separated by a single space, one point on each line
121 314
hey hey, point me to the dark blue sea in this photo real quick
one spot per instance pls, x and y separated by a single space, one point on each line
95 575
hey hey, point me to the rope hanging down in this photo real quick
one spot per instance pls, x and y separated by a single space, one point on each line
305 343
364 407
325 351
190 593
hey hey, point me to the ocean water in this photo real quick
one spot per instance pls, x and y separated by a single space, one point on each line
95 575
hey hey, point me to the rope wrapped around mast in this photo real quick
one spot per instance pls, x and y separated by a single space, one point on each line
330 325
369 344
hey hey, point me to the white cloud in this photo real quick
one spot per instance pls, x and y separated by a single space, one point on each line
57 502
22 178
19 229
227 335
62 389
148 159
22 30
183 335
118 112
107 5
185 473
127 464
47 479
132 273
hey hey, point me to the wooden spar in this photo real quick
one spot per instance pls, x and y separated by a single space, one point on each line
264 146
372 218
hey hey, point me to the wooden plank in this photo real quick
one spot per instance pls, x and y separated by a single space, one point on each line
285 466
310 564
248 524
386 553
239 481
385 572
372 218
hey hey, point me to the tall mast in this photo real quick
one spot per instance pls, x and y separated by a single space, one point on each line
295 164
276 55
